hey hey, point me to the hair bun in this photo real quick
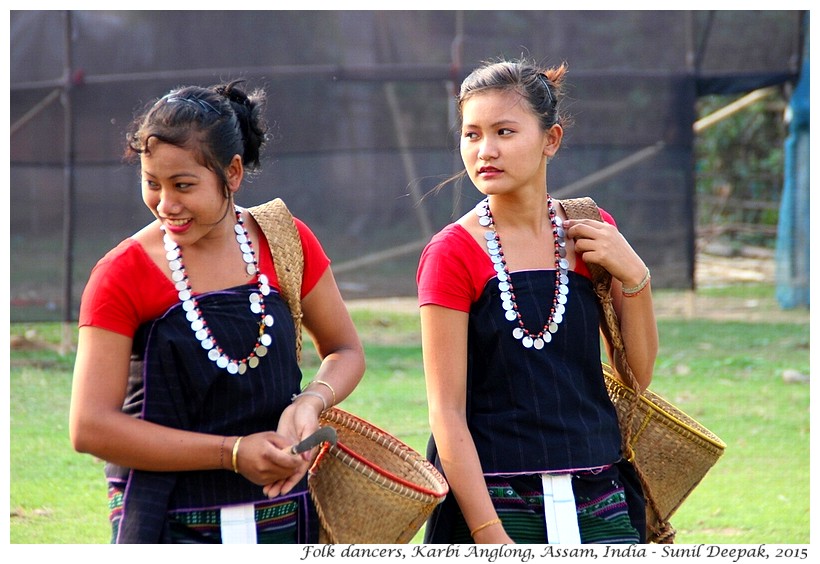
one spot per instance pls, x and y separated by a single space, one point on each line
233 94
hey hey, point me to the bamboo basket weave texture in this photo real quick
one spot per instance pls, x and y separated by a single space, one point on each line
276 222
671 474
371 488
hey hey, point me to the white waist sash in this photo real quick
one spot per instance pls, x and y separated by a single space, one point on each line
559 509
238 524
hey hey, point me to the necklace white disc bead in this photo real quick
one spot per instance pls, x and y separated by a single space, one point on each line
528 339
194 315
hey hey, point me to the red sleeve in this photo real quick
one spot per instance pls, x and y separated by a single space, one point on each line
453 270
117 299
607 217
316 260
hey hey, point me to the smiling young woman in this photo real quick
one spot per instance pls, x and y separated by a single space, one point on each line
198 442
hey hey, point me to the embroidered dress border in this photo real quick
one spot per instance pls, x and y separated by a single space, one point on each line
277 521
601 509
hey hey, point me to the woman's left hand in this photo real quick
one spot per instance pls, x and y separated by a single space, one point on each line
601 243
598 242
299 420
327 321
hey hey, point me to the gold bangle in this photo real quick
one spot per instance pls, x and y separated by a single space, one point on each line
489 523
635 290
234 453
329 387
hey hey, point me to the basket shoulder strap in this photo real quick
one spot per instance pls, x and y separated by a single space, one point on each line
285 244
586 208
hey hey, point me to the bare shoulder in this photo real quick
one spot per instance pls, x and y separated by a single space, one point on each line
150 239
149 233
469 221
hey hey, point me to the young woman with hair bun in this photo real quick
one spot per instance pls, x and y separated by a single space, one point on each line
197 442
522 426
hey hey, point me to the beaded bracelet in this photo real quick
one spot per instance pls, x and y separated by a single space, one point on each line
309 393
234 453
635 290
222 452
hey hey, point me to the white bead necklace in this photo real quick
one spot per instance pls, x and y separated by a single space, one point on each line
194 314
505 286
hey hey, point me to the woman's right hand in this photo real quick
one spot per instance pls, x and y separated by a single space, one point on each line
98 425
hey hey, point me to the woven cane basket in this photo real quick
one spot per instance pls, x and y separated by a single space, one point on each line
370 488
670 473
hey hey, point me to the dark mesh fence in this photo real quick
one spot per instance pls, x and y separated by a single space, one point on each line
363 123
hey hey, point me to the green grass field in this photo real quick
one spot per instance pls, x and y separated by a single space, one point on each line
728 374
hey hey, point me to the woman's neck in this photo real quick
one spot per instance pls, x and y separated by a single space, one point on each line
523 214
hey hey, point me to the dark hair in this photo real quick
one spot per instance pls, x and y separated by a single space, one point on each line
217 123
541 88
